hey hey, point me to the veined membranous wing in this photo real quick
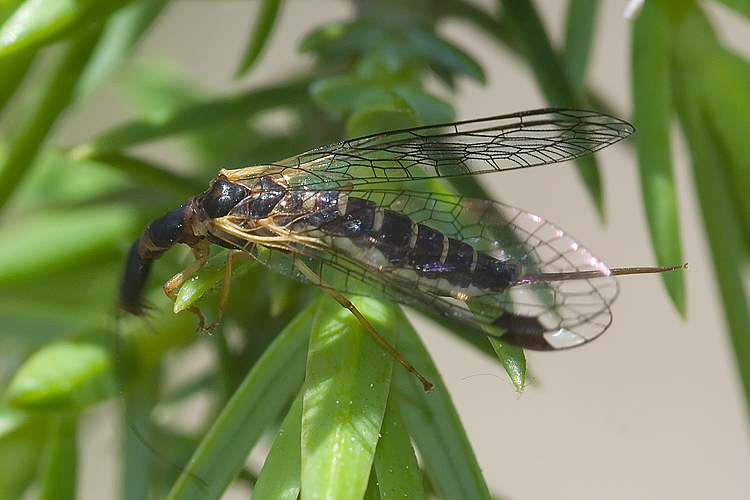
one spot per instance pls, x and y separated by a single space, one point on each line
507 142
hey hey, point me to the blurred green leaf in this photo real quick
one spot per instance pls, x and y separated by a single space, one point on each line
63 376
529 33
197 116
338 39
40 22
344 94
428 108
725 82
447 56
59 475
370 120
138 457
54 94
264 23
652 102
579 36
22 438
15 68
694 44
742 7
122 32
80 234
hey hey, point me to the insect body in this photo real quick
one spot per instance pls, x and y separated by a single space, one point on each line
332 217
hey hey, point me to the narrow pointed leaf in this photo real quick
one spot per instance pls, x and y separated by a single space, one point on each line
726 83
346 388
265 392
722 220
548 68
55 94
396 466
39 22
435 427
280 477
579 34
196 116
652 87
264 23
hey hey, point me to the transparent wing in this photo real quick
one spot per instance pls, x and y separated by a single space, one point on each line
560 300
507 142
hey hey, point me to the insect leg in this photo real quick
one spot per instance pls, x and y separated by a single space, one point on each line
201 250
224 292
346 303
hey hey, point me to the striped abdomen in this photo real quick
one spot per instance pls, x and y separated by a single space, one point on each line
384 237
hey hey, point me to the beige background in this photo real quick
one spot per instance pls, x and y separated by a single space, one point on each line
652 409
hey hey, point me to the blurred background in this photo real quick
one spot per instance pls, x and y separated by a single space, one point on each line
655 408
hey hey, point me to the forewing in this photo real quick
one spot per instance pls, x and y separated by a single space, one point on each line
569 311
506 142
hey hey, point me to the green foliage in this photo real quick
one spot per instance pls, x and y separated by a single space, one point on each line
68 217
680 67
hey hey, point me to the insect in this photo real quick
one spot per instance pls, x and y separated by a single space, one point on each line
337 217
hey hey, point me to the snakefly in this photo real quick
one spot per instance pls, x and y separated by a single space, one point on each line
333 217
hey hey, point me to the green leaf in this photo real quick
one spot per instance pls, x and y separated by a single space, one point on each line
346 388
60 464
725 81
343 94
122 32
445 55
22 438
742 7
579 35
340 39
722 219
652 102
201 282
723 225
14 67
280 477
513 360
396 466
435 427
196 116
264 23
80 234
535 46
138 459
63 376
538 51
51 97
427 108
374 119
262 396
39 22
